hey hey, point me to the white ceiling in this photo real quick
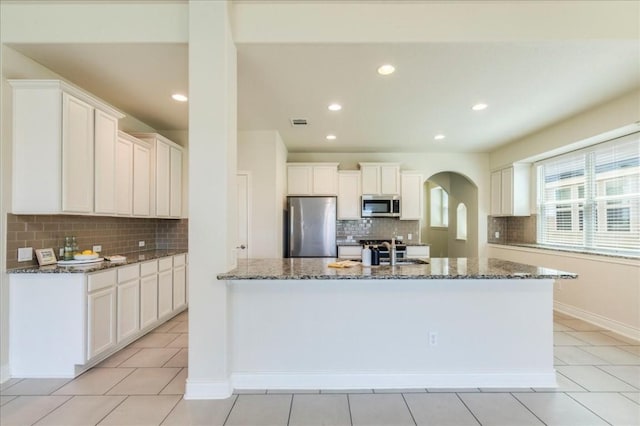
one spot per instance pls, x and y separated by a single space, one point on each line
528 86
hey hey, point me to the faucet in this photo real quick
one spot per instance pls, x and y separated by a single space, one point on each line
392 250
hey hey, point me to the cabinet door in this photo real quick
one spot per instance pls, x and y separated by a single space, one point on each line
163 179
389 180
507 191
141 182
124 177
128 309
417 251
299 180
105 137
370 180
349 195
350 252
77 155
101 321
165 293
411 197
496 193
325 180
175 189
179 287
148 300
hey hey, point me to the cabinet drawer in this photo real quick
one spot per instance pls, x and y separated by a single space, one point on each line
349 252
101 280
165 263
148 268
128 273
178 260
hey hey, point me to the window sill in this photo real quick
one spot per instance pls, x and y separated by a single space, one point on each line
570 250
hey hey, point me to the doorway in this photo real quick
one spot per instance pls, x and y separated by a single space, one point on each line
451 210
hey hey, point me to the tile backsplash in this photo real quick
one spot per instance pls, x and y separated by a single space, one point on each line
115 234
512 230
375 228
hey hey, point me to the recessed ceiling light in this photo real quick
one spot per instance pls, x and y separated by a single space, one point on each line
335 107
386 69
331 137
439 137
479 107
179 97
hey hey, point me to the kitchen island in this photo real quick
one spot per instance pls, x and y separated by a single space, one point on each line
454 323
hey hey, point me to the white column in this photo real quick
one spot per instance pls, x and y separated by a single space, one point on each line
212 197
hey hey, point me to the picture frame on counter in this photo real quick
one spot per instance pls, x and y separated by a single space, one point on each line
46 256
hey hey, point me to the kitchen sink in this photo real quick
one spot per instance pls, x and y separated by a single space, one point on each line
401 262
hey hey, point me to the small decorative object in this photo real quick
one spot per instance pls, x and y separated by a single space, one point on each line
46 256
68 247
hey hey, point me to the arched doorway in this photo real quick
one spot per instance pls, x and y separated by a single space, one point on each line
444 193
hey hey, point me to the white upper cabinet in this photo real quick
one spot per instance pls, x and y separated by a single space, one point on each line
124 176
349 194
166 175
141 179
105 138
411 196
510 190
57 132
380 178
312 178
77 155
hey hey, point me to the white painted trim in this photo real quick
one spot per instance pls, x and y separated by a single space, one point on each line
561 253
5 373
207 389
249 211
393 380
599 320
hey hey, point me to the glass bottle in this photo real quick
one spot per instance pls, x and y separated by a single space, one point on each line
68 248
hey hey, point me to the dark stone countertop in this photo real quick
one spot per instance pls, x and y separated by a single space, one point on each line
87 268
437 268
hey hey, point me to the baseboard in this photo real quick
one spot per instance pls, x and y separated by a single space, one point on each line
5 373
401 380
599 320
207 389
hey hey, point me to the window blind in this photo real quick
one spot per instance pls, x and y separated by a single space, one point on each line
590 198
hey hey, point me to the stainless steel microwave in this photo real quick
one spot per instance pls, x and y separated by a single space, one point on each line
380 206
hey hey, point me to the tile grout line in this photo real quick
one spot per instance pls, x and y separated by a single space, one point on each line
636 388
170 380
290 409
590 410
170 411
113 409
349 407
468 409
409 409
226 419
528 409
53 409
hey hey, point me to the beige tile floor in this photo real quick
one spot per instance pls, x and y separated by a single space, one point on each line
143 384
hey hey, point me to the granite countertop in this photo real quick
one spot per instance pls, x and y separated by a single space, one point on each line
437 268
404 243
132 258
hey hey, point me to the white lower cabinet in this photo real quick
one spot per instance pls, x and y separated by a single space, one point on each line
148 293
165 293
101 313
350 252
63 324
128 303
417 252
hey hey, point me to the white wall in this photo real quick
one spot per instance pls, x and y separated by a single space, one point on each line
262 153
607 291
475 167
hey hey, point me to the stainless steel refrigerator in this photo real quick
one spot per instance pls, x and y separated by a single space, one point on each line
311 227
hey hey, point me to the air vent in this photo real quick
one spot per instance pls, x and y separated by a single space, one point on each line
298 122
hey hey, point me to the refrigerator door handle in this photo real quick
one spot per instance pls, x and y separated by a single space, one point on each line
291 240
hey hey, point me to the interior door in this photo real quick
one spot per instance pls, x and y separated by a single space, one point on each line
243 181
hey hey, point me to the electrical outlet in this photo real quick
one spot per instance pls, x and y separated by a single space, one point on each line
433 338
97 249
497 234
25 254
140 243
409 237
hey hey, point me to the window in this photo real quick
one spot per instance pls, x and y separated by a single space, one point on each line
439 207
461 223
579 188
